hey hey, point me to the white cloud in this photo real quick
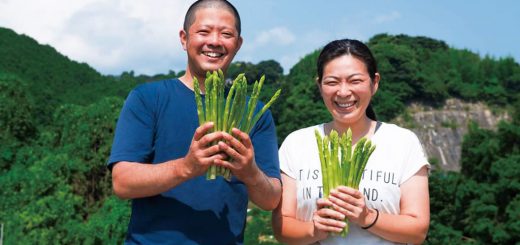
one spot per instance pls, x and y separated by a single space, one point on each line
110 35
275 36
394 15
38 19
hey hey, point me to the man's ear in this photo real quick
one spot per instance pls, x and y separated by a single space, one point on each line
240 40
183 36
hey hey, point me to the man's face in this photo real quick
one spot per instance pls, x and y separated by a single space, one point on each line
211 42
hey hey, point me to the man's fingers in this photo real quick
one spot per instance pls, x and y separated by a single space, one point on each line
235 144
202 130
210 151
207 139
243 137
230 151
224 162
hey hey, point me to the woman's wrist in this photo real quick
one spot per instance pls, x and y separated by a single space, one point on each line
316 233
373 222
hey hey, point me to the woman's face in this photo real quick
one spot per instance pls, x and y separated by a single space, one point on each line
346 89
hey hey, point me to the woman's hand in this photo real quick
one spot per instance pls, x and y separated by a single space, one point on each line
351 203
326 219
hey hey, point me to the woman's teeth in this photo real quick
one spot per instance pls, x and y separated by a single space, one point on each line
345 105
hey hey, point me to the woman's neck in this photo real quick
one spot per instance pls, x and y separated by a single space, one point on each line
362 128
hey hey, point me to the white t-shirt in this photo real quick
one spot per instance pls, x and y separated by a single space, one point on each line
398 156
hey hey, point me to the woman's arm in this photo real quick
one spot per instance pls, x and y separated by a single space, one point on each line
288 229
410 226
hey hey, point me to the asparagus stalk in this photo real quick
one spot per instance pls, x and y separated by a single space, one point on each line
264 108
198 101
340 164
319 141
228 111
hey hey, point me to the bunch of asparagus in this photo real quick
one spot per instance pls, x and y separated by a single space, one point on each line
228 112
339 164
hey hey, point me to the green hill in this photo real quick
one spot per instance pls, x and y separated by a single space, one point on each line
57 119
52 78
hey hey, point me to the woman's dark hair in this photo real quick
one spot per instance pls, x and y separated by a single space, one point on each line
222 4
355 48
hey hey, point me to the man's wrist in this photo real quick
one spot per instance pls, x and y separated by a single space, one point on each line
255 179
179 169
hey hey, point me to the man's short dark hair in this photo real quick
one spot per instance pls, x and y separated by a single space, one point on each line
222 4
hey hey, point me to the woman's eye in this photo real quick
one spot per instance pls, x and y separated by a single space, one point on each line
330 83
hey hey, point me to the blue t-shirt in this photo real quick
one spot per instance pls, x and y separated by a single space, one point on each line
156 125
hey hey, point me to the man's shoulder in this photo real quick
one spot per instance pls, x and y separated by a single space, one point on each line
155 86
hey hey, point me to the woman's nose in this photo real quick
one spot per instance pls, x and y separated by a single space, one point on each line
344 90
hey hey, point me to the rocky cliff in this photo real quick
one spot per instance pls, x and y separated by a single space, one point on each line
441 130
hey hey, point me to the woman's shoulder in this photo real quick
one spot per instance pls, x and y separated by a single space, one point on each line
302 135
393 131
305 132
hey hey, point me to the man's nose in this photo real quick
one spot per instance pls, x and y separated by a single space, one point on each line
214 39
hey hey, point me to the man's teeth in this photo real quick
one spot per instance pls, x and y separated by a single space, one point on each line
345 104
212 54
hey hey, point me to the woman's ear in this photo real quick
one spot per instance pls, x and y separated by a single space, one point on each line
375 83
318 83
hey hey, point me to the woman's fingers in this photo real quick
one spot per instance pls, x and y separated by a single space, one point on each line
328 220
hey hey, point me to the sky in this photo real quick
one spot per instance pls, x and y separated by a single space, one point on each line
114 36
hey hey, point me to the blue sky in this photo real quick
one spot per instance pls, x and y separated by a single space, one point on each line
122 35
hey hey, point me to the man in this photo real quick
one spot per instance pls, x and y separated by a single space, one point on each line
160 155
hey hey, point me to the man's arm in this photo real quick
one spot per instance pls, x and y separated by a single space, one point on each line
264 191
136 180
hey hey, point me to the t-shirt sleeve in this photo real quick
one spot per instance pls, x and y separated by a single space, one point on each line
416 158
265 143
285 159
134 130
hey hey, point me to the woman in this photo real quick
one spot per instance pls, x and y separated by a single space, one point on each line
392 203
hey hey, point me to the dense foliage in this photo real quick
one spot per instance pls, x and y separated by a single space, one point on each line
482 203
57 119
413 69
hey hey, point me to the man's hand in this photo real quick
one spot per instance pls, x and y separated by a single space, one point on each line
264 191
201 153
242 156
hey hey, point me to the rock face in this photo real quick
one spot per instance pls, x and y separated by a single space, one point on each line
441 130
